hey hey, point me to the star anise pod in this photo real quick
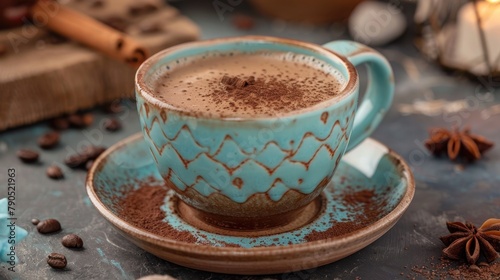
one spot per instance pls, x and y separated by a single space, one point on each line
465 240
457 144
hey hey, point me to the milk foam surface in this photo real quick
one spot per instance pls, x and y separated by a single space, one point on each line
285 82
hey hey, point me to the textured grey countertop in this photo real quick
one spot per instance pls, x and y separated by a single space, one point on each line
445 191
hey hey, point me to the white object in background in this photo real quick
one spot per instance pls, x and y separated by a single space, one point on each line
375 23
468 47
424 9
366 156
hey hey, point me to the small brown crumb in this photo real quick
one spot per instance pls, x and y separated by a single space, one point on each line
243 22
35 221
59 123
97 4
150 28
142 9
113 107
56 39
116 22
3 49
112 125
241 83
89 164
81 120
235 82
227 80
54 172
474 268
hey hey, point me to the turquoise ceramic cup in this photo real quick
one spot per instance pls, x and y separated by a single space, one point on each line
260 171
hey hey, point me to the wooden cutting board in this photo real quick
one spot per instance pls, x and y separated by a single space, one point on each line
41 78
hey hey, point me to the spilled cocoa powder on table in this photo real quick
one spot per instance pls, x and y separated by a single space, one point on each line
443 268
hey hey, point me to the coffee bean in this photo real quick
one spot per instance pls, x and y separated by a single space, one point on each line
57 261
112 125
49 140
27 155
48 226
72 241
81 120
35 221
92 152
54 172
89 164
76 161
59 124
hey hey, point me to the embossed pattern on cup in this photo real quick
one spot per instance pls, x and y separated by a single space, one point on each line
280 159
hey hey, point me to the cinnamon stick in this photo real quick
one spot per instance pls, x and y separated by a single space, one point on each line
88 31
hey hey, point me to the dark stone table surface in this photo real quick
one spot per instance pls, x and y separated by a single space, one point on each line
445 190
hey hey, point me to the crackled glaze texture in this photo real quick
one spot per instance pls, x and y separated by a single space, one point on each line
245 167
240 159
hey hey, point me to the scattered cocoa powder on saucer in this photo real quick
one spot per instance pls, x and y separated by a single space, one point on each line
142 208
364 207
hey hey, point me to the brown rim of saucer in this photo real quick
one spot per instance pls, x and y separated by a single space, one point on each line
146 92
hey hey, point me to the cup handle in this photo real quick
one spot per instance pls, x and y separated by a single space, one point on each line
380 90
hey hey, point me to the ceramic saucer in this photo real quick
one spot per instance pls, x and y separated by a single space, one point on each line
371 189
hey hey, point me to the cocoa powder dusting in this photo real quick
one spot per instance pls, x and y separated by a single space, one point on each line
259 93
445 268
364 208
141 208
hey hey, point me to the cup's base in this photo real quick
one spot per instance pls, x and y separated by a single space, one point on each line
250 226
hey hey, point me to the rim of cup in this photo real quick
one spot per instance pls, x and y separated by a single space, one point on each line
146 91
